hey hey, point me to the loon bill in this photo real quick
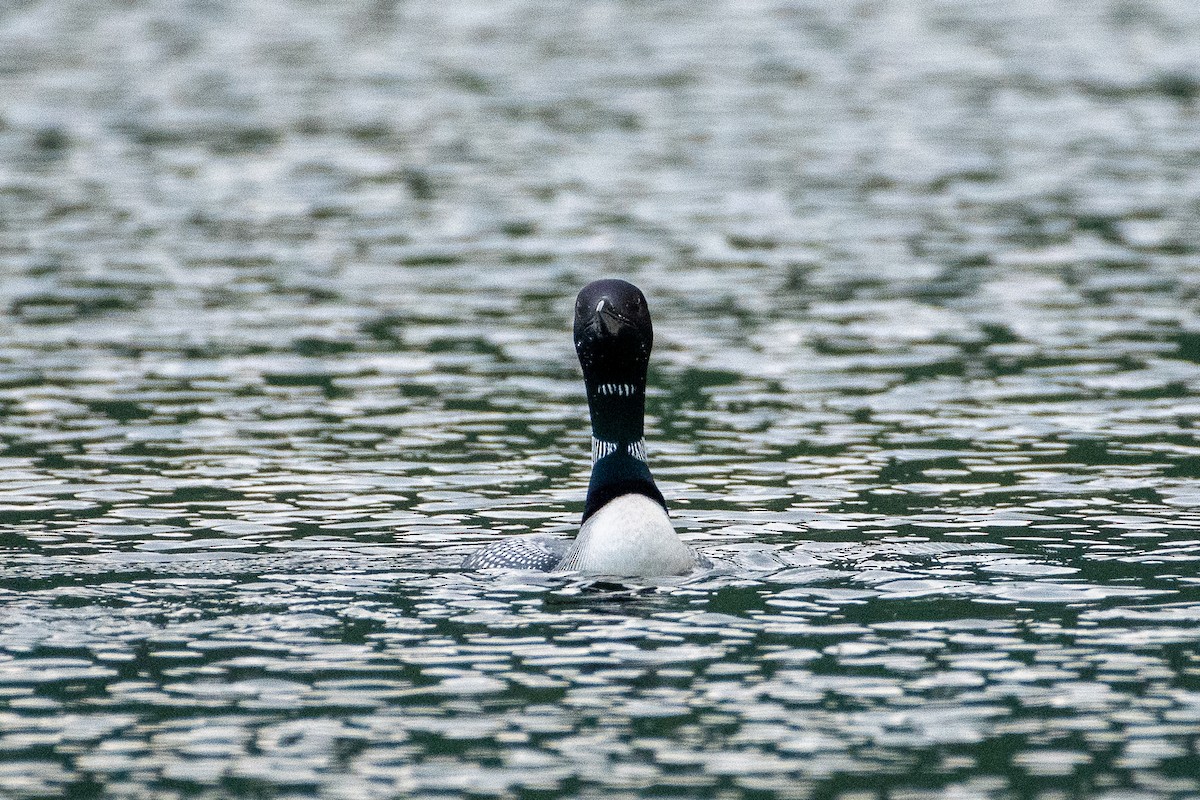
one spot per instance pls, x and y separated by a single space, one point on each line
626 531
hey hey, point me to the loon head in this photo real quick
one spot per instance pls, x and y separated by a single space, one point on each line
613 338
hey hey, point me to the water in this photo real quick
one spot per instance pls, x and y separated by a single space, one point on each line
286 294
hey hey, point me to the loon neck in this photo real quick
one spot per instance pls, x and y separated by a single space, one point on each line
619 471
602 448
618 411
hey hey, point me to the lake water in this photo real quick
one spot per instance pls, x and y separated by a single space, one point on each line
285 297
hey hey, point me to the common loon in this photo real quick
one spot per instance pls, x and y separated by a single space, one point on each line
626 531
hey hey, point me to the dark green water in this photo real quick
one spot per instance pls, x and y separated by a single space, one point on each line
285 293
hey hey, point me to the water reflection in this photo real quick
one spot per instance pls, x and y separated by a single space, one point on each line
284 335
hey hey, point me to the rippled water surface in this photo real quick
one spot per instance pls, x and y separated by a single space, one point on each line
284 331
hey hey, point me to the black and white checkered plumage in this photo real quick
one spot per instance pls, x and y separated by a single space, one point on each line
537 552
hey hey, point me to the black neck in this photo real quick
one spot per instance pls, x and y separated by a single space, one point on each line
617 401
619 474
618 410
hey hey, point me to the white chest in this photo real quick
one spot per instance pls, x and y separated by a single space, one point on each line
630 536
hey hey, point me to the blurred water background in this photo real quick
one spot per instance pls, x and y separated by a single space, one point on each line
285 291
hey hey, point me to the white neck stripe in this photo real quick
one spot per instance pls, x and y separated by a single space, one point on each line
618 389
602 448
